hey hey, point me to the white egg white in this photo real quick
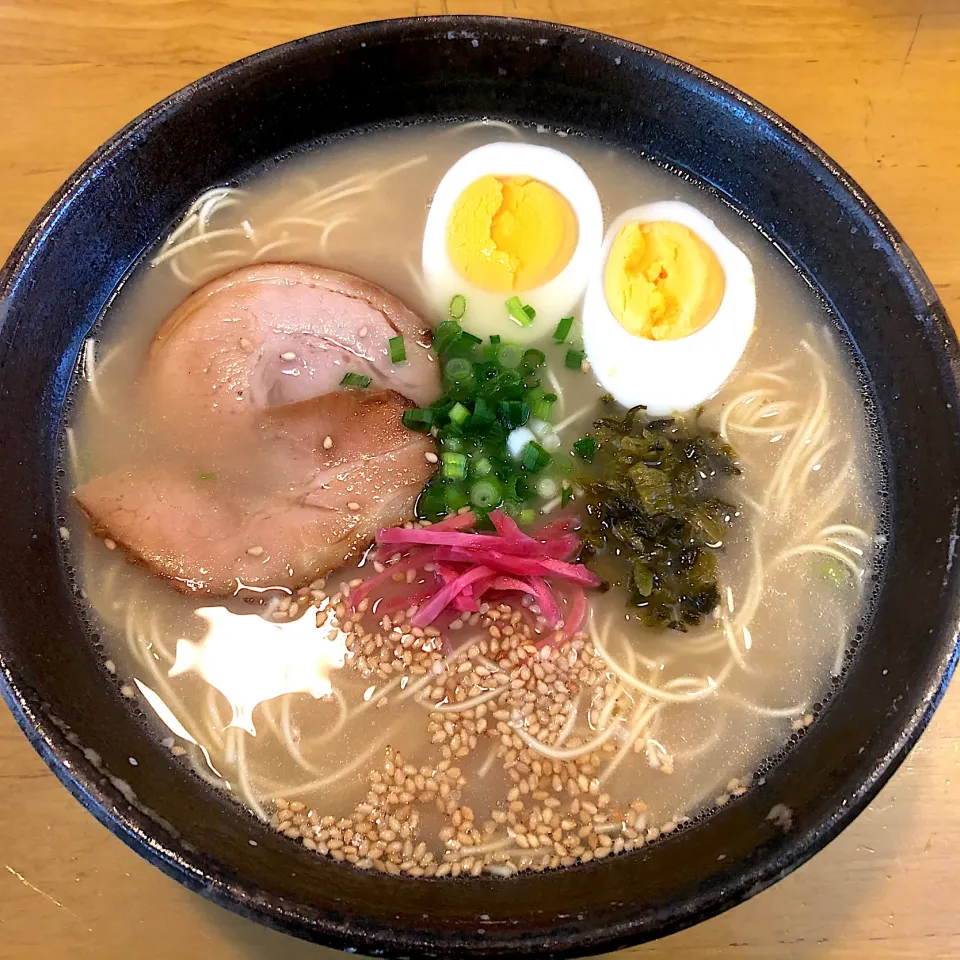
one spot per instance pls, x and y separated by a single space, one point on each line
668 376
486 311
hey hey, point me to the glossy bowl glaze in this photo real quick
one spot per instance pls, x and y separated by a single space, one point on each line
72 257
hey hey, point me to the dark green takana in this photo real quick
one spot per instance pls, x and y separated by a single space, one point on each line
652 522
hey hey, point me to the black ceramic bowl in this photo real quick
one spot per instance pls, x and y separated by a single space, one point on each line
64 270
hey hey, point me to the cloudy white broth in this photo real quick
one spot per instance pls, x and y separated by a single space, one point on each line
471 499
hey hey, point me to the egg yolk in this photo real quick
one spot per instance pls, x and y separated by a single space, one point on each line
662 281
510 234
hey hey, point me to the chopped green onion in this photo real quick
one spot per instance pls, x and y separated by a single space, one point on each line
458 306
574 359
446 334
458 370
510 385
566 495
529 311
441 498
488 355
534 458
486 494
459 414
455 497
454 466
459 378
563 329
827 568
534 359
542 408
481 467
528 516
514 413
418 419
432 503
535 392
398 350
547 487
206 476
518 488
483 412
510 508
518 312
491 386
359 380
586 448
453 443
509 356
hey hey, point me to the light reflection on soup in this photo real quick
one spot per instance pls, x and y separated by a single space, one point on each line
481 742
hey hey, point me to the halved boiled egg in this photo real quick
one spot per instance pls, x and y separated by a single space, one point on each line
512 220
670 309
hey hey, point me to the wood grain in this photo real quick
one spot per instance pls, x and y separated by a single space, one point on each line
874 82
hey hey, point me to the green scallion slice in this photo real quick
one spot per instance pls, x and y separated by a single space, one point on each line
418 418
586 448
574 359
446 334
458 370
533 359
483 412
518 312
458 307
359 380
481 466
494 338
566 495
563 329
529 311
454 466
398 350
527 516
455 497
542 408
486 494
510 356
515 487
534 458
459 414
514 413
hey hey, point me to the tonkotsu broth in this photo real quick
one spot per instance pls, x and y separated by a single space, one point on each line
796 571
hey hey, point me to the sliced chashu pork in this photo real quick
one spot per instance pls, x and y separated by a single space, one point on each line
275 334
316 507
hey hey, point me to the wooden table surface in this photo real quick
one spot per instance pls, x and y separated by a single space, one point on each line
874 82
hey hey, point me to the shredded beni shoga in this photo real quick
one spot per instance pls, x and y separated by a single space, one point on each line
460 570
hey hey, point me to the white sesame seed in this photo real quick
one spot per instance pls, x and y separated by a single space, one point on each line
353 505
289 355
327 443
110 544
431 457
255 551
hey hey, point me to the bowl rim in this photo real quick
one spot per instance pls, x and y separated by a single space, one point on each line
51 742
